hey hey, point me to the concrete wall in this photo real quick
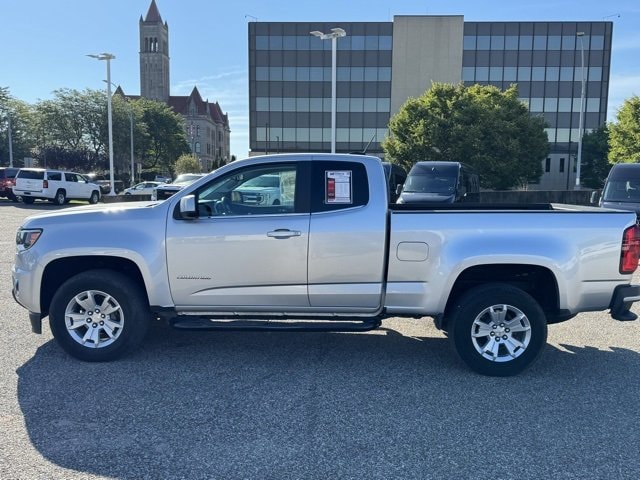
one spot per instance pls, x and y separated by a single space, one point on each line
426 49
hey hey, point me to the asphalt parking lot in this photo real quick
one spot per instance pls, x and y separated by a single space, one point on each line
391 403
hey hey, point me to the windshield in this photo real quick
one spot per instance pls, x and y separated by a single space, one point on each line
265 181
430 183
622 191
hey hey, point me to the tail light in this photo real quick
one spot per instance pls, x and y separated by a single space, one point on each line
12 181
630 252
45 184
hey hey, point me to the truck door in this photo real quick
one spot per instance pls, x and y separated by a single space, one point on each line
347 236
245 249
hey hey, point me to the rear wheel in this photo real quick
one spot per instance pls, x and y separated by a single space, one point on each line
498 329
99 315
94 198
60 197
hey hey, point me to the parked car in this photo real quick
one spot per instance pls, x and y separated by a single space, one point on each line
438 182
165 190
54 185
104 183
162 179
338 257
144 188
7 181
622 188
261 190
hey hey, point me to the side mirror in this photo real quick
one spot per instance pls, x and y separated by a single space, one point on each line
188 210
595 197
399 188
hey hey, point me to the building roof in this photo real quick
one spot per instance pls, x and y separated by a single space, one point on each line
180 104
153 14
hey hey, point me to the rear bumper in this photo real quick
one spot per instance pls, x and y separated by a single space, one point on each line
623 298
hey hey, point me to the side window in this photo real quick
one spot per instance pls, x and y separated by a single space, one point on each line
338 185
257 190
55 176
70 177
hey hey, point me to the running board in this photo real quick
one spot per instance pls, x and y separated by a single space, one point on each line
202 323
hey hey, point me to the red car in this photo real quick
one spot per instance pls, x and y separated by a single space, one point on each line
8 180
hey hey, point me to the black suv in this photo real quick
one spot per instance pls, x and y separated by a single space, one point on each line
8 180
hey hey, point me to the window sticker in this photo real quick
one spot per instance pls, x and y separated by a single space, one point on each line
338 186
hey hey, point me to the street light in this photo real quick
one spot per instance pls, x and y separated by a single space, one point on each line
130 108
580 35
336 33
10 140
108 57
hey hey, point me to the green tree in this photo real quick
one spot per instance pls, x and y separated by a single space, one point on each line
186 163
166 136
624 137
479 125
595 151
18 116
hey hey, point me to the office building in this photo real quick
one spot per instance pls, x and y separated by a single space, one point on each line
381 64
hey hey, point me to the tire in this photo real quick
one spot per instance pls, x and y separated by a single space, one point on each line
94 198
501 309
13 198
28 200
60 197
118 321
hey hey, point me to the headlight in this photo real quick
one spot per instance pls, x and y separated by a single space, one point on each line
26 238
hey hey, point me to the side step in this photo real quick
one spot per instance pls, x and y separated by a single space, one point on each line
185 322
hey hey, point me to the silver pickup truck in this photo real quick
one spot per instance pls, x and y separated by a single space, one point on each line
331 255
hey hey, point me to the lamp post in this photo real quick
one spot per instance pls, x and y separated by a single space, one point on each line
130 108
108 57
10 140
580 35
333 36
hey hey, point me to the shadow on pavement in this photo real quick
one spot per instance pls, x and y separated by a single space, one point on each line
329 405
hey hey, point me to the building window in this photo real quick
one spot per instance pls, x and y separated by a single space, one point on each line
561 165
197 130
547 165
197 147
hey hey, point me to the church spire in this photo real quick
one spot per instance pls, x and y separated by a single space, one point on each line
153 15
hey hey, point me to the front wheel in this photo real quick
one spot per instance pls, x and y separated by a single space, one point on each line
498 329
99 315
94 198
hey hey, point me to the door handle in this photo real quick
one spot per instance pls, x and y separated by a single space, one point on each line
283 233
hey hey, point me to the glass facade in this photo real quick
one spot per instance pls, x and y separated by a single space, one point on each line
290 81
544 60
290 86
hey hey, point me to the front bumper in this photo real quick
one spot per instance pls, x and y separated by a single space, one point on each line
623 298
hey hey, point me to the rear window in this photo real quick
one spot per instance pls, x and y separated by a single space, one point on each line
8 172
31 174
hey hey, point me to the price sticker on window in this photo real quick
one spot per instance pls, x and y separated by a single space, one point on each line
338 186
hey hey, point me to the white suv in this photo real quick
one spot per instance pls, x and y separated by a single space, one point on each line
54 185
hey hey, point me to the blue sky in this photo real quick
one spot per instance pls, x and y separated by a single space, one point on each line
43 43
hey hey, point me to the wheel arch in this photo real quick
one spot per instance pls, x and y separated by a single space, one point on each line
538 281
59 270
